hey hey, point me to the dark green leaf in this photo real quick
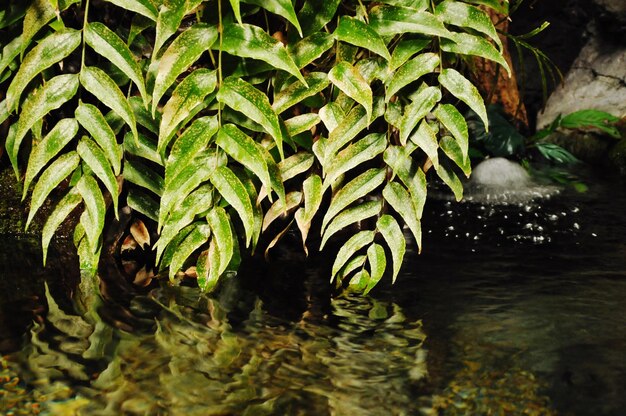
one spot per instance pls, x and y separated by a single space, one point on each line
95 158
281 208
350 216
594 119
349 80
354 155
197 237
94 122
145 148
411 71
354 244
143 203
404 50
465 16
310 48
315 14
358 33
142 175
143 7
65 206
171 13
392 233
222 234
378 263
466 44
447 175
400 200
393 20
297 91
282 8
95 209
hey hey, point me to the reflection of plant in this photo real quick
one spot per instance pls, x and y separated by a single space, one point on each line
216 119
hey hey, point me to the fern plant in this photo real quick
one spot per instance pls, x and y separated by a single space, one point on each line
216 119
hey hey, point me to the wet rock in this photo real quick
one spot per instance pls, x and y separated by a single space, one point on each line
588 147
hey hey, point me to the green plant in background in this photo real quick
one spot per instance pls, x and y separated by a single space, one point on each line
219 120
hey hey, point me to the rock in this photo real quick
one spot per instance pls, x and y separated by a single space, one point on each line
597 80
499 172
585 146
617 157
611 16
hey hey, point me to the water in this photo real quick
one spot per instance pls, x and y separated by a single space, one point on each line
511 309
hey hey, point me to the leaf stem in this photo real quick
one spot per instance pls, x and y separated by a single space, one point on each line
220 31
82 58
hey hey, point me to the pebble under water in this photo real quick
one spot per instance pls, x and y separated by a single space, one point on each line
511 309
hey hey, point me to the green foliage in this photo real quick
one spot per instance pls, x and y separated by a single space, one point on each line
224 122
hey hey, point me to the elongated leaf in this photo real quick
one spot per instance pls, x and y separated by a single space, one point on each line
358 33
415 112
400 200
410 174
94 122
65 206
355 263
51 50
315 14
392 233
244 150
95 158
195 203
349 80
295 165
145 148
51 96
106 43
465 91
446 173
500 6
95 209
242 96
143 7
60 135
9 52
189 144
142 175
357 188
144 116
310 48
463 15
312 191
143 203
257 222
301 123
276 180
421 65
282 8
179 56
405 49
296 92
426 139
97 82
197 237
452 149
466 44
220 226
60 169
455 123
349 249
393 20
171 13
235 193
378 263
350 216
187 96
38 14
354 155
280 208
332 114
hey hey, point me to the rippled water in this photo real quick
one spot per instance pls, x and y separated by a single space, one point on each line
511 309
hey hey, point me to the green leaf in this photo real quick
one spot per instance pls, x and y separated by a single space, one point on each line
65 206
452 149
392 233
143 7
447 175
466 44
94 122
38 14
282 8
498 5
355 263
60 135
300 124
455 123
51 50
357 188
144 116
348 79
140 174
295 165
354 155
244 97
350 216
95 208
143 203
314 14
310 48
106 43
9 52
50 179
145 148
419 108
186 98
397 157
358 33
400 200
465 91
235 193
195 138
360 280
411 71
97 82
4 112
296 92
378 263
179 56
244 150
171 13
594 119
465 16
354 244
51 96
234 4
426 139
312 191
197 237
249 41
222 234
95 158
393 20
405 49
332 114
281 208
195 203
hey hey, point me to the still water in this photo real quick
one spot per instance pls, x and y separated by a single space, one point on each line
514 309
